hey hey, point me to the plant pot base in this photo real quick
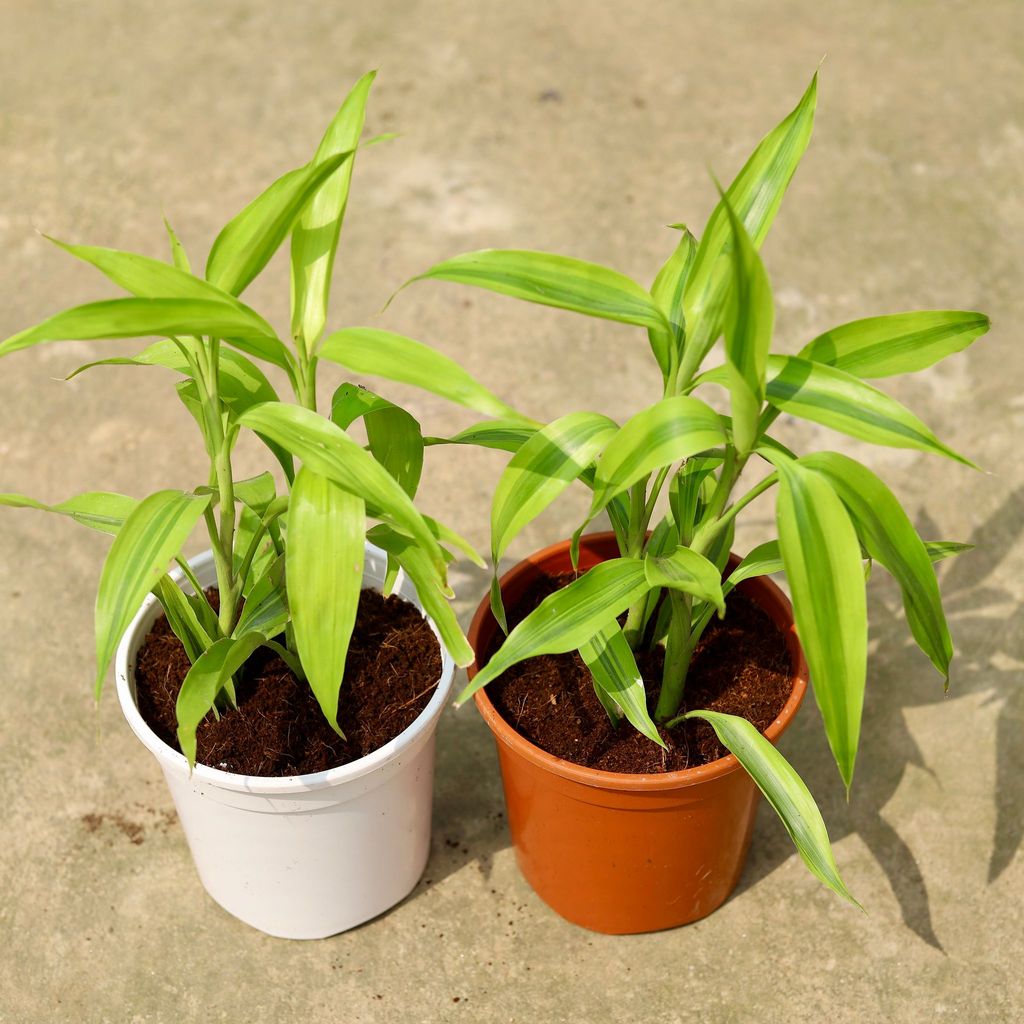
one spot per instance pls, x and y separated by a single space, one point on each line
620 853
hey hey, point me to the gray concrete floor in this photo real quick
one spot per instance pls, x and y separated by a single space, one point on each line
577 127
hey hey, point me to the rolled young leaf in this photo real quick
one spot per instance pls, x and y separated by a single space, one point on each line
178 255
248 240
559 281
326 449
150 537
755 194
99 510
882 346
785 791
315 234
890 539
394 357
324 564
667 292
207 677
617 678
666 432
748 333
821 555
836 399
569 618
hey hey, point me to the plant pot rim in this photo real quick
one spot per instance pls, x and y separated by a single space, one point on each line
273 785
625 781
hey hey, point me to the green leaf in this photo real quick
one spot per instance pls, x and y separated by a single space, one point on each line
418 568
393 435
326 546
666 432
183 618
836 399
942 549
316 232
551 280
687 571
890 539
266 603
547 463
748 334
822 557
383 354
755 194
507 435
569 618
207 677
667 292
257 492
149 538
881 346
761 561
245 245
147 278
138 318
616 676
99 510
785 791
178 255
446 535
326 449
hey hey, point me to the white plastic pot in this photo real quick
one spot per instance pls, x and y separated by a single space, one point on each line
306 856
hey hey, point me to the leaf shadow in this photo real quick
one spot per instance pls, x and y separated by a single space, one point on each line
988 629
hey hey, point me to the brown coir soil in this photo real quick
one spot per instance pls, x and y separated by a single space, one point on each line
740 667
394 663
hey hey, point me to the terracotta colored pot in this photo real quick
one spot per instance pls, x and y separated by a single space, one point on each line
622 853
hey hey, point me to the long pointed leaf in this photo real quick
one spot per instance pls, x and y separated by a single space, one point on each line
183 618
615 672
748 333
149 538
329 451
890 538
882 346
207 677
785 791
245 245
140 318
755 194
559 281
394 357
568 618
418 568
316 232
821 554
326 545
666 432
836 399
99 510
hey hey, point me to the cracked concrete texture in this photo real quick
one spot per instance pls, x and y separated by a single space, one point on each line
581 128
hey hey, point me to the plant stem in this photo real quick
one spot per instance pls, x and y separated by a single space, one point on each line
679 647
707 534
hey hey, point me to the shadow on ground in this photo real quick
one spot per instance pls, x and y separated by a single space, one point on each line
988 630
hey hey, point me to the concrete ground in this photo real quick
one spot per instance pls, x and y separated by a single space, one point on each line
583 128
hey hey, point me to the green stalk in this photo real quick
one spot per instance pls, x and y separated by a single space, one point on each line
679 645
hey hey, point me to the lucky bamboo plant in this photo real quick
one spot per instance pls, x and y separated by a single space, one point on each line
834 516
289 566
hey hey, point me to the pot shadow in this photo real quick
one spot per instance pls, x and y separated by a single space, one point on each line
988 628
469 805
